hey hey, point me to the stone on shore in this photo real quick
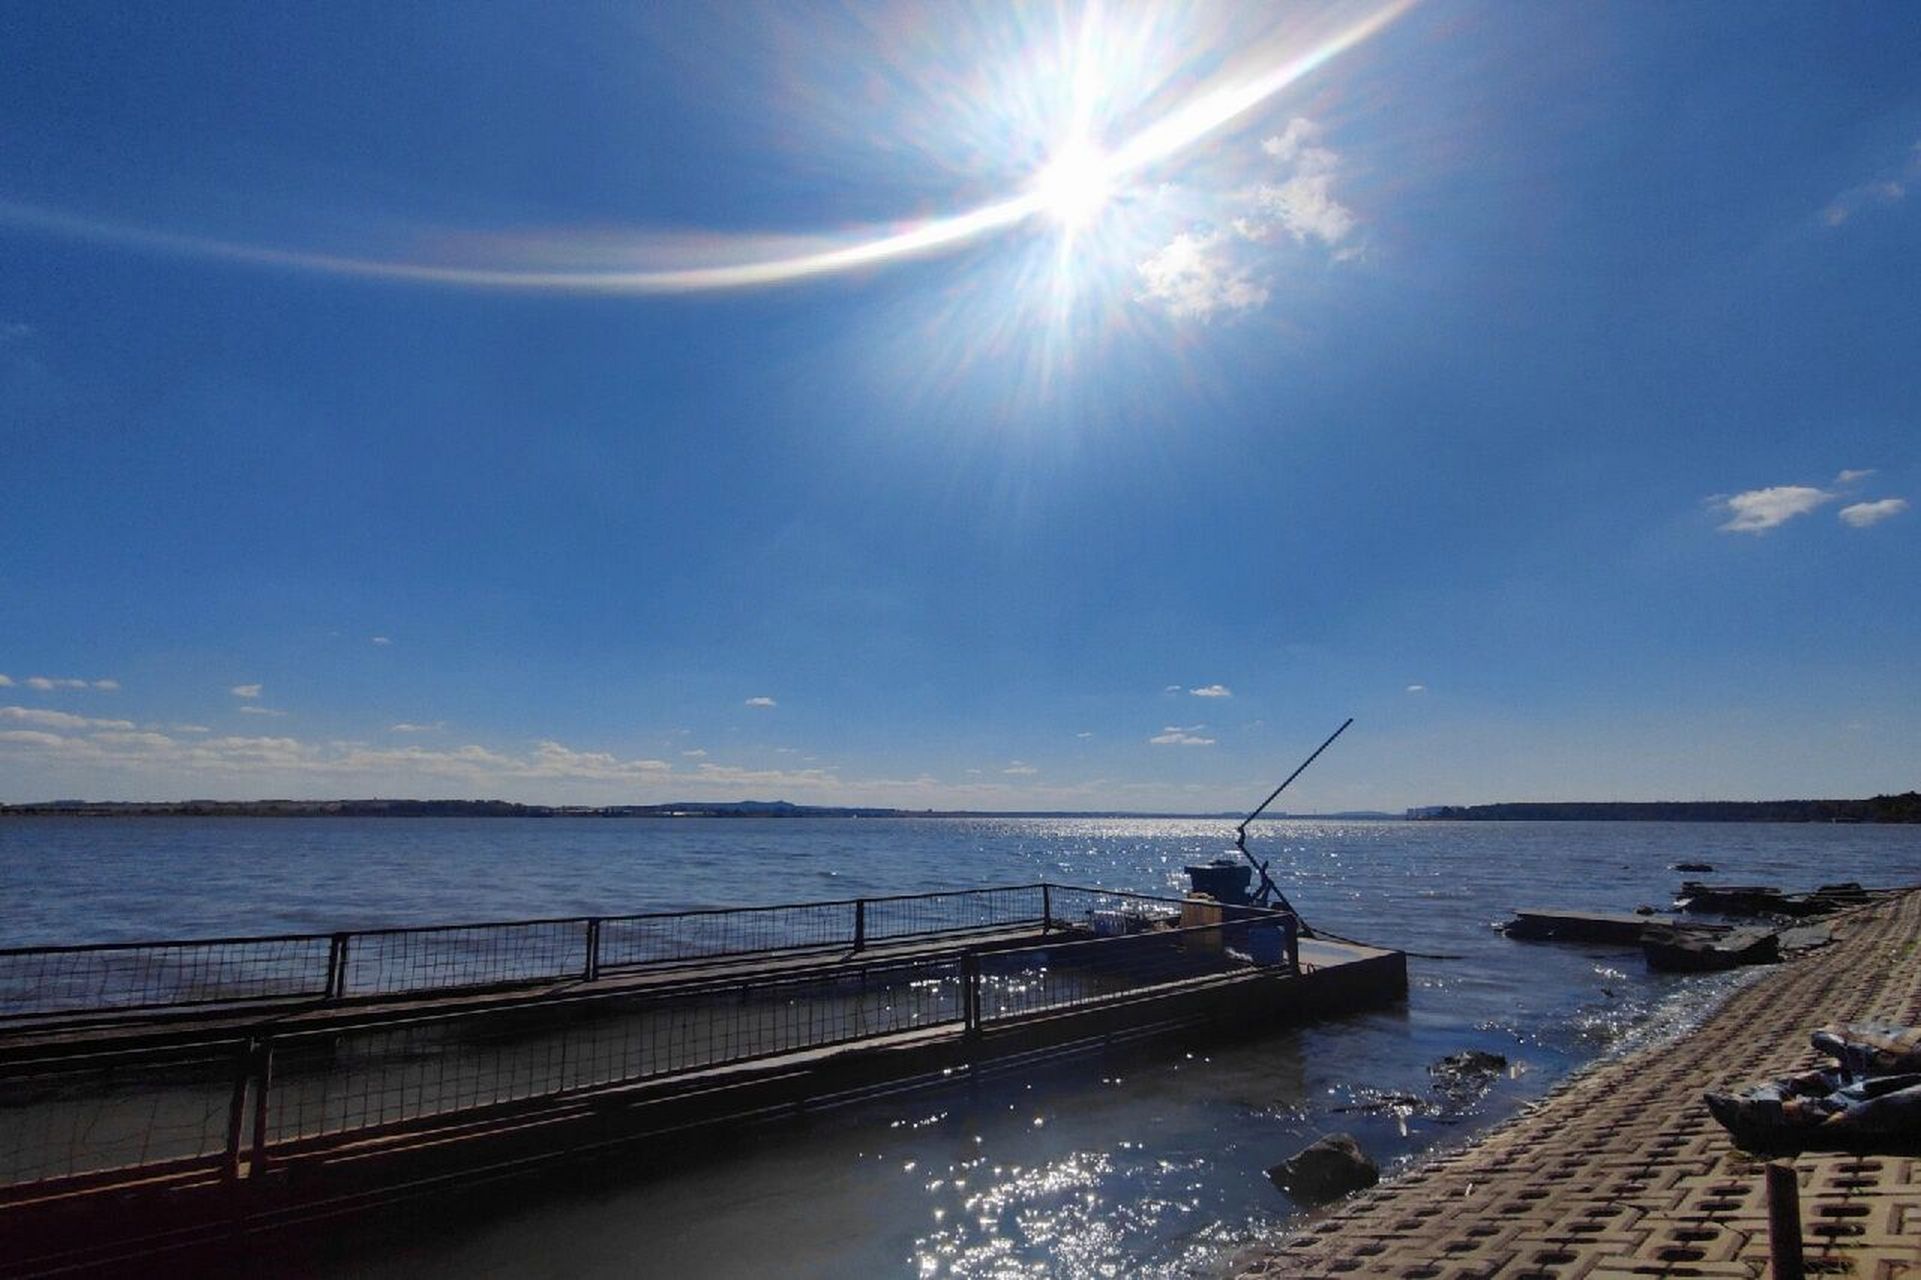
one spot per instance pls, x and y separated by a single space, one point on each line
1326 1170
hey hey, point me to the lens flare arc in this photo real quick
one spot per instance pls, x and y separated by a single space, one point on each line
1072 190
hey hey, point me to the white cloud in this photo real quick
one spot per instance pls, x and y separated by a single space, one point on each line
380 640
236 758
1175 735
121 738
1020 768
246 691
1195 275
1175 688
408 726
1891 187
189 728
696 754
107 686
551 759
1084 733
1302 204
1417 688
762 701
1212 691
1862 514
58 719
1759 510
260 711
47 684
6 682
1849 477
1207 270
33 738
765 780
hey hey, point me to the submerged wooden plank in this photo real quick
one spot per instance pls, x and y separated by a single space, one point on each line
1546 924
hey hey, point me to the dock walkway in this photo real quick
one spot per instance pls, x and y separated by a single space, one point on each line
180 1111
1621 1171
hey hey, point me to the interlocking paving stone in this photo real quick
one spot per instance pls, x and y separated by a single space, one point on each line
1620 1172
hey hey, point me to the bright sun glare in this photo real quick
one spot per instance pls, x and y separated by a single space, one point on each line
1075 185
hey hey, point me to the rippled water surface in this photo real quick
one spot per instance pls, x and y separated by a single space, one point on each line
1147 1162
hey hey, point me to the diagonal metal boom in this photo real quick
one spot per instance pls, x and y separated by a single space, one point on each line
1268 889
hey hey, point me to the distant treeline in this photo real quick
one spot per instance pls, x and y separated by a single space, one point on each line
430 809
1905 807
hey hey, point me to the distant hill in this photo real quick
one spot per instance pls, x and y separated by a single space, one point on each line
1905 807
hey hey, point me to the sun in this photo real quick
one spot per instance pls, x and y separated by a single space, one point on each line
1075 185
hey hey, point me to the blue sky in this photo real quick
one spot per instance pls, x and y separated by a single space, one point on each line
966 407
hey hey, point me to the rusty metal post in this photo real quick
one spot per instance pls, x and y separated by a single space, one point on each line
1784 1221
237 1109
337 966
860 923
591 972
263 1080
971 993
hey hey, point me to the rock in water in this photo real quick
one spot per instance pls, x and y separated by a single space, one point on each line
1326 1170
1462 1079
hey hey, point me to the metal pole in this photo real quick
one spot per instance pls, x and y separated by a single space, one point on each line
592 971
1047 909
237 1108
860 923
1784 1221
263 1081
337 966
971 993
1240 833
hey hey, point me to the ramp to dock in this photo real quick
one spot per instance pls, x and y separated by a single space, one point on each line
144 1123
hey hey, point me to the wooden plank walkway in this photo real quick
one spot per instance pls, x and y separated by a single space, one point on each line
1621 1171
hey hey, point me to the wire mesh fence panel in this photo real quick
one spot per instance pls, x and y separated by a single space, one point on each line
341 1082
681 937
960 911
400 961
42 981
1111 911
53 980
121 1111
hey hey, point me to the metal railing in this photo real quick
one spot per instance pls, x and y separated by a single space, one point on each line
232 1102
41 982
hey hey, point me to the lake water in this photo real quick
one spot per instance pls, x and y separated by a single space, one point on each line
1145 1163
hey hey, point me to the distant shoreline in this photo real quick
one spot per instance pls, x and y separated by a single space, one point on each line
1903 808
510 809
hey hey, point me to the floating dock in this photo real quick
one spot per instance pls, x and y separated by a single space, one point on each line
173 1095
